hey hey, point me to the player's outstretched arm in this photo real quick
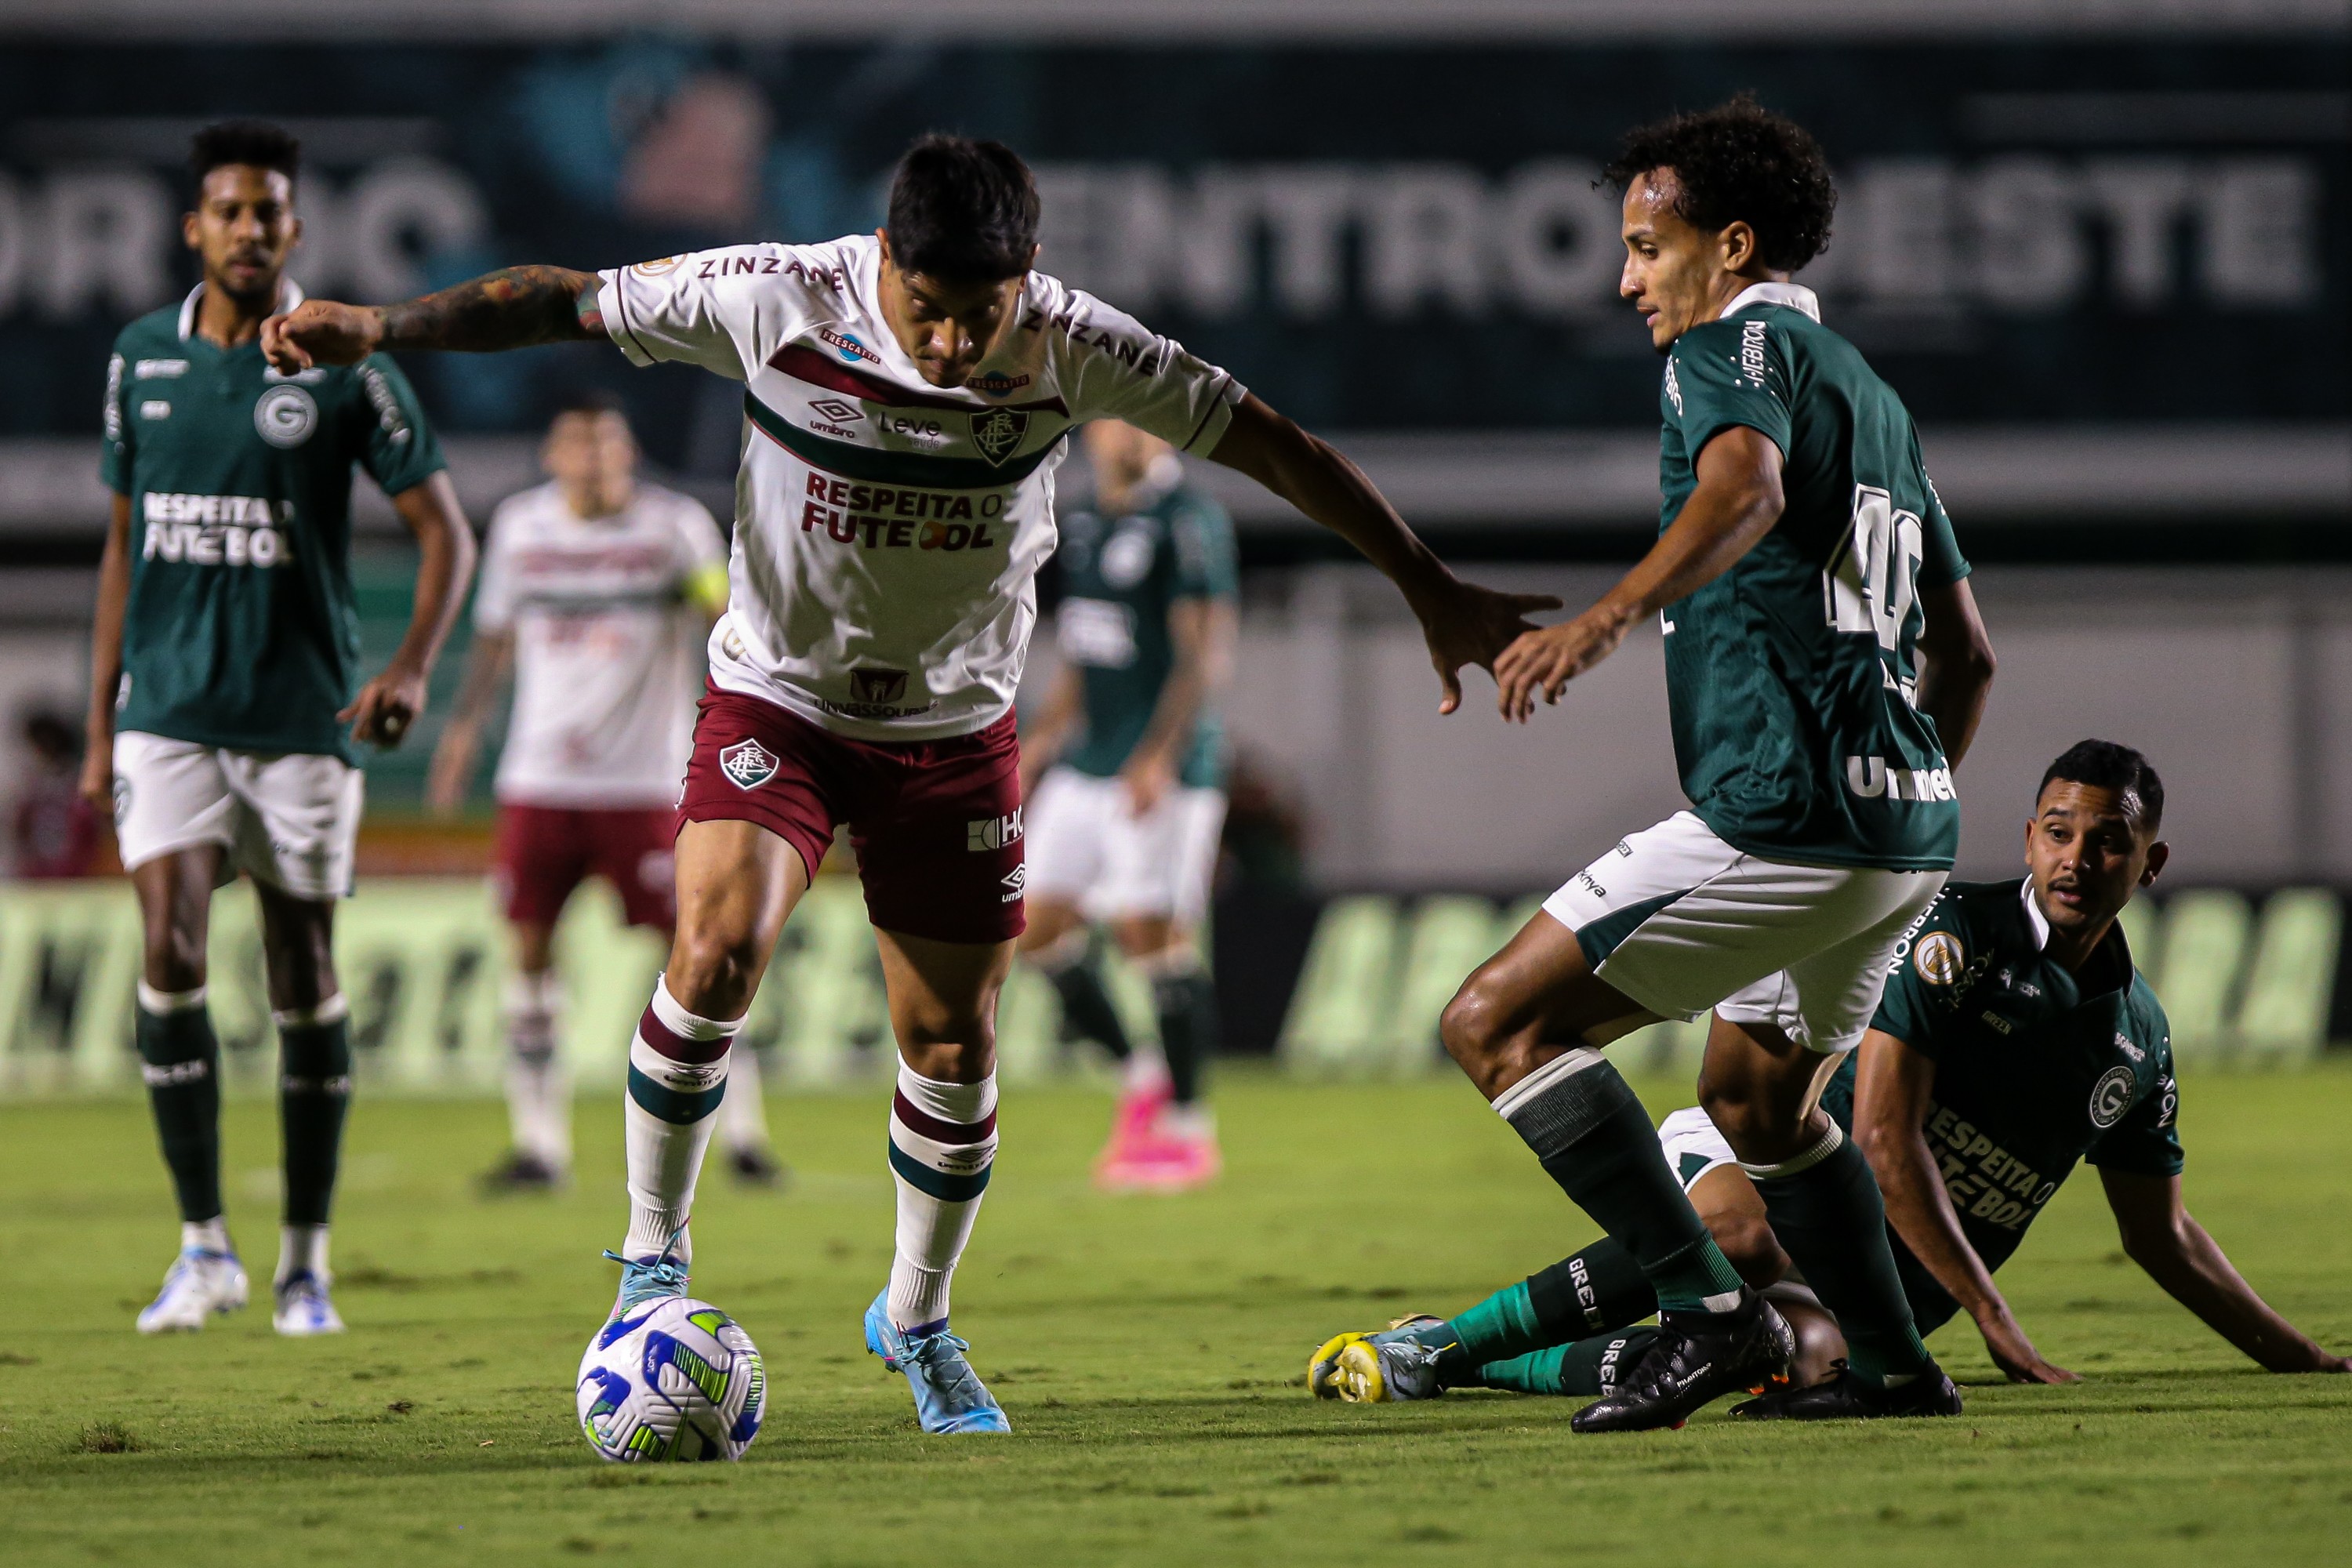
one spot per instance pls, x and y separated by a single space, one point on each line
106 659
1463 623
1735 504
2160 1235
386 707
513 308
1956 665
1892 1091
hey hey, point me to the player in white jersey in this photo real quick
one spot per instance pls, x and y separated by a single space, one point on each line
597 591
905 397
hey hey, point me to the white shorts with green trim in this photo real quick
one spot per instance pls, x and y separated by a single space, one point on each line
1692 1146
1087 848
1682 922
290 819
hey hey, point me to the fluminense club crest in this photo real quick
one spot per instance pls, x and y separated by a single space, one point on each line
747 764
998 433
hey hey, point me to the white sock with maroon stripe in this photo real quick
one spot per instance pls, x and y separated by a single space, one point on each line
539 1092
677 1075
943 1141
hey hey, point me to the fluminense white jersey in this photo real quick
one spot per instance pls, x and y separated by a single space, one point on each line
888 532
607 665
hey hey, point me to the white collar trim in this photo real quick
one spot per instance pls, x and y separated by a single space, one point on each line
2033 916
1796 296
289 294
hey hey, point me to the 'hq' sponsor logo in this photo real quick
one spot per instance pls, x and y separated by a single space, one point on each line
993 832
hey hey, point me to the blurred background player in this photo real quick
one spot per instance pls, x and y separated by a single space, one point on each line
222 717
1123 827
597 591
52 828
2015 1040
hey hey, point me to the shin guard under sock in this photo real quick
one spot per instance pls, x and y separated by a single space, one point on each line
314 1091
942 1144
677 1076
180 1060
1585 1124
1828 1214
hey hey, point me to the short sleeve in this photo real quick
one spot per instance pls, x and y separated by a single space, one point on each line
1117 368
1940 561
1202 536
1929 961
399 452
114 450
1725 374
494 605
706 308
2146 1141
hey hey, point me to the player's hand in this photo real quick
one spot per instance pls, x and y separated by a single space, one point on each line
1544 661
97 783
321 331
452 772
1148 776
380 714
2015 1355
1466 624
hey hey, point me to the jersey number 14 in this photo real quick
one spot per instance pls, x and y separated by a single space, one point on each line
1872 579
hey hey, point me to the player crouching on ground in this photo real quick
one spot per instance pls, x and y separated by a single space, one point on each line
1124 827
2014 1039
225 706
597 590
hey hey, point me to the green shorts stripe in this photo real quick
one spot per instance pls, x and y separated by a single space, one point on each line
1603 936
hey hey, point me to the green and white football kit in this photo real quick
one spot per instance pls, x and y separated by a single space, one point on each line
240 642
1121 577
1823 816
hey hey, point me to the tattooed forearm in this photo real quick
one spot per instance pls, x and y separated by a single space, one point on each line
513 308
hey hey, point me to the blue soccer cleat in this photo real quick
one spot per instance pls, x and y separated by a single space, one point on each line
948 1395
644 1281
1399 1361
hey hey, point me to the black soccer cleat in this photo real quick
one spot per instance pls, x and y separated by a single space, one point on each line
1842 1396
1696 1359
520 1172
754 1166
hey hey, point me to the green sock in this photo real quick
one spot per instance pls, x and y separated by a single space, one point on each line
1585 1124
1087 1007
1502 1326
181 1062
1593 1292
1586 1367
314 1090
1187 1005
1831 1221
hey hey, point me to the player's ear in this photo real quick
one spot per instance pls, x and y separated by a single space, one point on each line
1739 242
188 232
2158 854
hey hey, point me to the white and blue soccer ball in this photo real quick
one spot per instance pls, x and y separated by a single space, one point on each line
681 1380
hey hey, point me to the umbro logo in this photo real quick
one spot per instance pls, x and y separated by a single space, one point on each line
1016 879
835 409
747 764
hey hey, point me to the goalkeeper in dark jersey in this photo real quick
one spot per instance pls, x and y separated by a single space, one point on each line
2015 1038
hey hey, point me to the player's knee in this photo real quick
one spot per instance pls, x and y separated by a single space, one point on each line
175 958
1739 1116
1748 1241
1471 1028
712 970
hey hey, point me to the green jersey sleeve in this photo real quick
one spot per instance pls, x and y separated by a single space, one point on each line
114 450
1203 535
1940 561
1725 374
1928 962
2146 1141
399 452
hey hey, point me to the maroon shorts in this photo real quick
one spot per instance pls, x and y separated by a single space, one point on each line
545 851
936 824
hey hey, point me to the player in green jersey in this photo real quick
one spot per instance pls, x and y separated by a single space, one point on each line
1825 665
225 701
2015 1038
1122 824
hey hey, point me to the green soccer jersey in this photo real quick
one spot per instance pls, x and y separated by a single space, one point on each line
240 630
2036 1067
1119 575
1791 678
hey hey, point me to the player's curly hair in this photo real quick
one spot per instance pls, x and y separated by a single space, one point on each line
256 143
1740 162
2104 765
962 211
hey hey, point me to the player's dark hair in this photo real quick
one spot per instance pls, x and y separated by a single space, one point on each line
256 143
588 400
1738 162
962 211
2103 765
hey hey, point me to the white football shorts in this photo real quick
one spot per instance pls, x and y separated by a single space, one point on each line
290 819
1085 848
1682 922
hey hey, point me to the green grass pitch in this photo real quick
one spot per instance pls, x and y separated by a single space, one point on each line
1149 1352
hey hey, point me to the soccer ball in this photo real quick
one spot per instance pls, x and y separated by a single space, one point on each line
681 1381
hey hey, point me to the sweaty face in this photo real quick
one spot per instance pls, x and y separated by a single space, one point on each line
947 329
2086 854
1672 268
243 228
593 458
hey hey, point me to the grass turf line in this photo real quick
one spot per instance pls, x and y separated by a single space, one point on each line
1148 1351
